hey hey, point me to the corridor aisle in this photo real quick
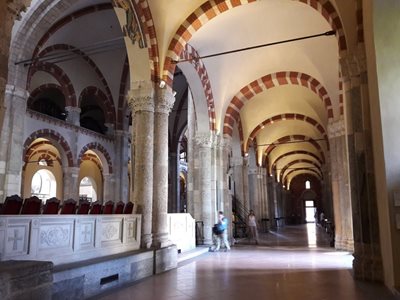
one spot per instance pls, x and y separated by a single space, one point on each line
259 272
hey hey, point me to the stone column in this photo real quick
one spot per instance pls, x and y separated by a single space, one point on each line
207 209
121 166
367 262
340 186
109 188
246 201
272 210
141 101
253 189
174 205
73 115
191 208
110 129
164 103
70 183
11 146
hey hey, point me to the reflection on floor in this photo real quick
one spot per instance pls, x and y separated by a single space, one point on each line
288 264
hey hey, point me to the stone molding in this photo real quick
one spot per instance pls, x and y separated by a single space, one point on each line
13 90
336 129
253 171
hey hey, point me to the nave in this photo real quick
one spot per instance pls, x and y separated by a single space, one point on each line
288 264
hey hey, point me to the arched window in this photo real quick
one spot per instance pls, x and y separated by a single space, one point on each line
308 185
92 115
87 189
43 185
51 102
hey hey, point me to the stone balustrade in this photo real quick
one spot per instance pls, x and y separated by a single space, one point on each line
69 238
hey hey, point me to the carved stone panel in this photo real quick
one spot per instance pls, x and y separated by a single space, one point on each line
131 230
17 239
86 233
55 236
111 231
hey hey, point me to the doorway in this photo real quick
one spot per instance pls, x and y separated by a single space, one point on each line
310 211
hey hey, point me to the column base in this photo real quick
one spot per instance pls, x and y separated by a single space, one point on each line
165 259
344 244
161 240
146 240
367 264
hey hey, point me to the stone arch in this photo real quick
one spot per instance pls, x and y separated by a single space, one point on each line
85 57
105 103
99 149
308 171
43 154
41 89
60 75
190 52
269 81
211 9
59 142
284 117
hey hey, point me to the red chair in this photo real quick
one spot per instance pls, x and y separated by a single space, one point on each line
95 209
83 208
31 206
68 207
12 205
108 208
1 208
119 208
52 206
128 208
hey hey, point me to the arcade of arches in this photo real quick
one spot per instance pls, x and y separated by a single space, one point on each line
115 100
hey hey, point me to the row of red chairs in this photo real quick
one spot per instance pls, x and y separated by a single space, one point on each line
14 205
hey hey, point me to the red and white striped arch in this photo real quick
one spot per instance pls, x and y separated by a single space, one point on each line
300 171
269 81
288 139
190 52
302 152
285 117
213 8
298 161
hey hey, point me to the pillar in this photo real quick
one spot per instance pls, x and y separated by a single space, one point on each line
109 188
340 186
70 183
12 142
174 205
73 115
141 101
121 166
367 262
164 103
204 142
245 172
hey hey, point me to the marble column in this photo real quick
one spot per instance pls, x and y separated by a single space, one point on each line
11 146
204 142
367 264
70 183
164 103
73 115
141 101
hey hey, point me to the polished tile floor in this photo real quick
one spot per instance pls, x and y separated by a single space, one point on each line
290 263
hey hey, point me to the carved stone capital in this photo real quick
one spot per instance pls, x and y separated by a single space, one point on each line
141 96
203 140
336 129
165 101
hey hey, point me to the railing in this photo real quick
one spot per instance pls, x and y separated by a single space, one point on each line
69 238
240 223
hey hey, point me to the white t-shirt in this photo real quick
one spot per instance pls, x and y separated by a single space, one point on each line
252 220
